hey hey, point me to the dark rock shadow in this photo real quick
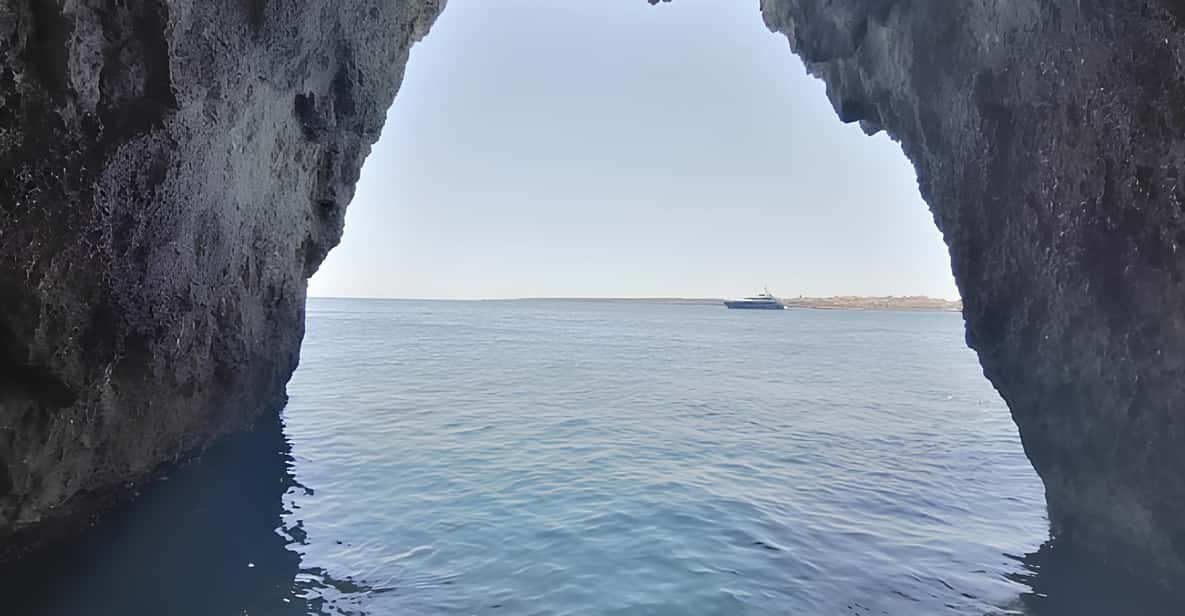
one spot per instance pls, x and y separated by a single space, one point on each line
1064 582
210 540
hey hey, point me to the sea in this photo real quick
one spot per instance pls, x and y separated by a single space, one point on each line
596 458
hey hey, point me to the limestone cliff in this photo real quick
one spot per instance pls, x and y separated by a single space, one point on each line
171 172
1049 140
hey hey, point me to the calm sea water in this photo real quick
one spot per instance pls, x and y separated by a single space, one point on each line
596 458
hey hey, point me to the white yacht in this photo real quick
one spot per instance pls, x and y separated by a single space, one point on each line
762 301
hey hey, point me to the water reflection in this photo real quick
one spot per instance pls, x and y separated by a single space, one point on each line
209 540
1062 582
212 540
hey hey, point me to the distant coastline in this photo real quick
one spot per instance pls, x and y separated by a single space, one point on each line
850 302
844 302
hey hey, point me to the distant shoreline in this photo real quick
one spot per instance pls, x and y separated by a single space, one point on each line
847 302
916 302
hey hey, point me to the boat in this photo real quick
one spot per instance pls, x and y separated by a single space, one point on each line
762 301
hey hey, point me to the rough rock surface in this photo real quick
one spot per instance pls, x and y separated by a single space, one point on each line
171 172
1049 140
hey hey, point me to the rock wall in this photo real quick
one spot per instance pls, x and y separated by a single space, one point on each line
1049 140
171 172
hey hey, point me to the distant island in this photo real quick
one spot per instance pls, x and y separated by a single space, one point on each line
844 302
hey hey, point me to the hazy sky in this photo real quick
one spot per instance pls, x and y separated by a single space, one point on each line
613 148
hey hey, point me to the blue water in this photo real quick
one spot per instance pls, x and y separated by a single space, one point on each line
619 458
596 458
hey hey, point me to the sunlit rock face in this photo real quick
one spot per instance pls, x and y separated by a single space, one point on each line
171 172
1049 141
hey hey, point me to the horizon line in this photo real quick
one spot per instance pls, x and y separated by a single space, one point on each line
621 298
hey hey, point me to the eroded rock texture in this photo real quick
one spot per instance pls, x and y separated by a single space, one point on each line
1049 140
171 172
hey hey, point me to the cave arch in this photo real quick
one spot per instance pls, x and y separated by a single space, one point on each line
141 193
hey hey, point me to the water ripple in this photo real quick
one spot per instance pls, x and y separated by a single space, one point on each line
612 459
598 459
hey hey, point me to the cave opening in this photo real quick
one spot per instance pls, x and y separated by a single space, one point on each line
681 152
678 151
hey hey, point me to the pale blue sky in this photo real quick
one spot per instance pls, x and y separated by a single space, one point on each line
611 148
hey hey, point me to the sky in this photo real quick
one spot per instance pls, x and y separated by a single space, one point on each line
610 148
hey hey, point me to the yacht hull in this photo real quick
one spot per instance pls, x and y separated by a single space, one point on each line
741 305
